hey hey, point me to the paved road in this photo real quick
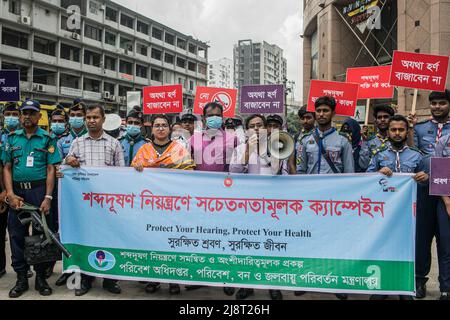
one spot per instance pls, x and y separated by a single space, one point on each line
135 290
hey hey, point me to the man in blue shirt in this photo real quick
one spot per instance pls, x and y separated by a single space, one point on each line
133 140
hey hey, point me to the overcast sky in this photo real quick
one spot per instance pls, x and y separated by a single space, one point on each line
224 22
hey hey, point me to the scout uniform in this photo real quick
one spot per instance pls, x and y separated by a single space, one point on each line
370 148
426 135
335 144
405 160
443 231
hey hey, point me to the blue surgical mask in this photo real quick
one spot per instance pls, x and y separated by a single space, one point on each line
133 130
11 123
58 128
76 122
214 122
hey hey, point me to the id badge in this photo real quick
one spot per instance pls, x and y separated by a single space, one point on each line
30 162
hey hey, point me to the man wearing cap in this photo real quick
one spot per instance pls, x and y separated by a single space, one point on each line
378 141
188 122
77 117
29 174
308 122
426 135
11 122
133 140
95 149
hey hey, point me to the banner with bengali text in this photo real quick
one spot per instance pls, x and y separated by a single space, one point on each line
323 233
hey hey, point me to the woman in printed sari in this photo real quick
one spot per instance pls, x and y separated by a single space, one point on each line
161 152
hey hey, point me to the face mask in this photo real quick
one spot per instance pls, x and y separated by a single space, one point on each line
76 122
133 130
11 122
58 128
214 122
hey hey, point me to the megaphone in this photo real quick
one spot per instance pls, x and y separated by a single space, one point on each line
281 145
112 124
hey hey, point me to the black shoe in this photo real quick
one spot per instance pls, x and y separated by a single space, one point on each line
42 286
2 273
85 286
21 286
444 296
405 298
243 294
378 297
111 286
49 272
152 287
299 293
276 295
192 287
174 289
30 274
62 280
342 296
421 291
228 291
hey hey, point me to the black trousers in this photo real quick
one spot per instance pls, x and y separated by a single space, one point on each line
18 232
426 230
3 226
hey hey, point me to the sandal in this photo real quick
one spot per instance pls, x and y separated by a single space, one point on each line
174 288
152 287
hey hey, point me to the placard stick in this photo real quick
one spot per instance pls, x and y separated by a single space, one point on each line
366 121
413 109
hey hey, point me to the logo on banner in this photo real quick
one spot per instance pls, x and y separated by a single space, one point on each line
101 260
228 182
384 183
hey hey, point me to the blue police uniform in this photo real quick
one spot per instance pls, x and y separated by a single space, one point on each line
29 158
336 146
130 147
443 231
371 147
426 135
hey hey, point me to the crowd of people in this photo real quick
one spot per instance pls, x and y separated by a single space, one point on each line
31 159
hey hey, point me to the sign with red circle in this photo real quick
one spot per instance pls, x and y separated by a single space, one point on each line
226 97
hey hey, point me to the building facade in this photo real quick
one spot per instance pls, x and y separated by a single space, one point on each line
336 37
258 63
95 50
221 73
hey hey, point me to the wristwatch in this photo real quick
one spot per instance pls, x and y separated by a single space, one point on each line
48 197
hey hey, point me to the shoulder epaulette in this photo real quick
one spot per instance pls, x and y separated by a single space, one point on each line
416 150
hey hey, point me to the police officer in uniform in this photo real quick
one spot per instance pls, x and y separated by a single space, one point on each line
399 158
77 117
378 141
11 122
30 157
426 135
58 130
443 232
133 140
